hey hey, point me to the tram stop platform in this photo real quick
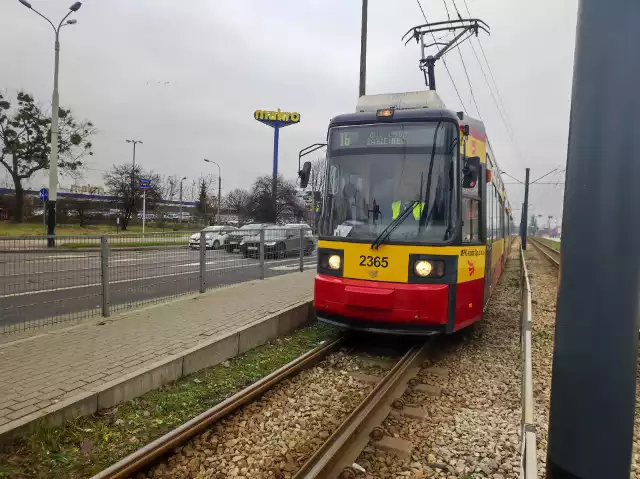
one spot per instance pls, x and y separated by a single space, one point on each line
63 373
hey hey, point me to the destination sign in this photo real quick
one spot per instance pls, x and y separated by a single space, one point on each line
383 136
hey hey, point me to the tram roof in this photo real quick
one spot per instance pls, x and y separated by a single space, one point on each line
416 114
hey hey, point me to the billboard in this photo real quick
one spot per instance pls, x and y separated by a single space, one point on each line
277 118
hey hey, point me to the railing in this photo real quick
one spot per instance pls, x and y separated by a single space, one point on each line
93 275
528 464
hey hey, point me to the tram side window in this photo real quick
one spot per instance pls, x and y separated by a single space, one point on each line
471 220
496 215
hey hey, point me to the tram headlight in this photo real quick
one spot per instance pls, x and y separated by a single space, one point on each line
334 262
422 268
330 261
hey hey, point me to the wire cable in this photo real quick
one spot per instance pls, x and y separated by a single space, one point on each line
464 66
444 61
498 101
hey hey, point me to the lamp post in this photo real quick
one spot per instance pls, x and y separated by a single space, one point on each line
133 169
219 186
133 173
55 105
181 180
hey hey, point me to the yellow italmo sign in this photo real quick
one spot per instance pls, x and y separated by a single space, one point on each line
283 117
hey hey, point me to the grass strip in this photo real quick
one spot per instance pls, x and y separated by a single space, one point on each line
84 446
554 244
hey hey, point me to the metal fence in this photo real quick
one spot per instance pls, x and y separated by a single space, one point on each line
529 464
84 276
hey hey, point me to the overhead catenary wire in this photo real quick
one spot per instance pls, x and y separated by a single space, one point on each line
497 98
464 66
464 107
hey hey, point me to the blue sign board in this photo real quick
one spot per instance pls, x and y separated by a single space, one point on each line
144 184
44 194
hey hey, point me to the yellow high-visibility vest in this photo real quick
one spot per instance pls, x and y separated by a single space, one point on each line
417 210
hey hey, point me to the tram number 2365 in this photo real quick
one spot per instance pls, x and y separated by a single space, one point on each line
377 261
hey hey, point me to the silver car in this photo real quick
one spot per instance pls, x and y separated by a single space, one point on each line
214 236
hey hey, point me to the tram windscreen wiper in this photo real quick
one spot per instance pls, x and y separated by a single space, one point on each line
393 225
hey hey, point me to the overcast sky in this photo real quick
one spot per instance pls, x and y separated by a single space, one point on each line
185 77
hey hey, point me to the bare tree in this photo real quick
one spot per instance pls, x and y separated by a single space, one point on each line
318 174
260 205
122 181
236 202
169 186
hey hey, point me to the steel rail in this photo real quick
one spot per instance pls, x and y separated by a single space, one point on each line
153 451
342 448
551 254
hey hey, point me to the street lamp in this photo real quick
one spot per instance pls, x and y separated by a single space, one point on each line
133 169
181 180
219 185
55 105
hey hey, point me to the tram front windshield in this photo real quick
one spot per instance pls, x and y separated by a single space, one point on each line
375 173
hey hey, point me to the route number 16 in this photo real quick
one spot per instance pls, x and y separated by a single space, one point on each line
345 140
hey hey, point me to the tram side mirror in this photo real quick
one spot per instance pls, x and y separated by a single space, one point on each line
304 174
470 172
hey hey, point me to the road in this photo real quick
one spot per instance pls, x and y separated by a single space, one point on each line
67 284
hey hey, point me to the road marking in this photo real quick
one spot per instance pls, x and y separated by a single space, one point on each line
92 285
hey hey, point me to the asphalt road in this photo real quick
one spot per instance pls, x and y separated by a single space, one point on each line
67 284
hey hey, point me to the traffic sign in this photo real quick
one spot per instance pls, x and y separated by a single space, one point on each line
44 194
144 184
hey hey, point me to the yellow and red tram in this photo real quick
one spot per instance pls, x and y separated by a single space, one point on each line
415 224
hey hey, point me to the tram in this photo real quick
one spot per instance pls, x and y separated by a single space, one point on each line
415 226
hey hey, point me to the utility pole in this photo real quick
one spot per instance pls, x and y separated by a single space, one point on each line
181 180
363 49
219 186
133 173
593 387
525 208
50 210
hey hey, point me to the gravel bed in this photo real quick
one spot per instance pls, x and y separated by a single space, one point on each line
473 428
273 436
544 284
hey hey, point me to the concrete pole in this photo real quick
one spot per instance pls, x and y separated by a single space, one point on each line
53 154
593 387
219 194
181 201
525 211
363 49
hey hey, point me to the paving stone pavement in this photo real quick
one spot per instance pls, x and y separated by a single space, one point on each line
54 366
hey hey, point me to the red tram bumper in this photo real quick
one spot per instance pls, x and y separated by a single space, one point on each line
385 307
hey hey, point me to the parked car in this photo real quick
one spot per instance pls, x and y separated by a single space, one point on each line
214 236
232 241
279 242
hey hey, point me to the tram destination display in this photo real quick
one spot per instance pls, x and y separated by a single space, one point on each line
384 136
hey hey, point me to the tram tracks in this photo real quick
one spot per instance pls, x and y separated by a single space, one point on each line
376 395
551 254
156 450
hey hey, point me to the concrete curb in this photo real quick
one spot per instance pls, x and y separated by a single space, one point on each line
153 376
